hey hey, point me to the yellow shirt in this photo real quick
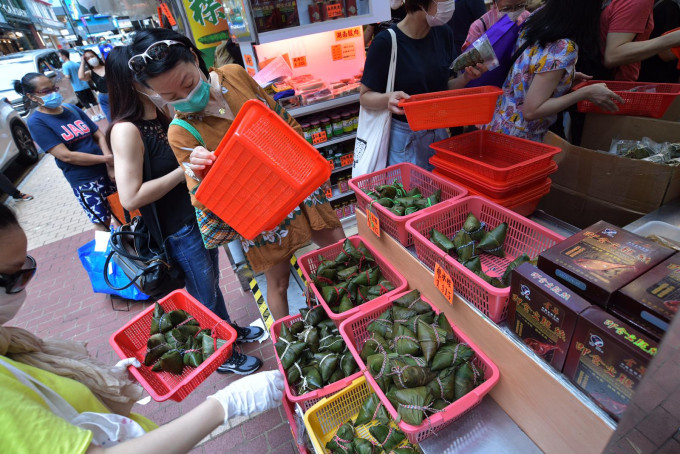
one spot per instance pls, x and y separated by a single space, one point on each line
28 426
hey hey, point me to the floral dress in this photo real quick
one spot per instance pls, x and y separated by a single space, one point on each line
509 117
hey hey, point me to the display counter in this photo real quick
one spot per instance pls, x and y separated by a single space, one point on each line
553 413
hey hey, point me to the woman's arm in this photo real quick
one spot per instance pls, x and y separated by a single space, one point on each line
539 102
128 149
77 158
471 73
621 49
380 101
84 74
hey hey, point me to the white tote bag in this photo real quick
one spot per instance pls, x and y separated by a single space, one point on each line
108 429
373 135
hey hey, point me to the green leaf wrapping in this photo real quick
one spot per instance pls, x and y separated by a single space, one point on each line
294 373
341 443
406 449
493 242
440 404
310 380
332 294
451 356
208 346
348 273
412 403
414 304
406 342
381 288
375 344
474 227
332 343
310 336
413 192
344 306
328 363
363 255
467 376
172 362
382 325
289 352
297 327
337 375
387 190
325 265
362 446
327 273
398 210
347 364
474 264
412 323
444 324
171 319
285 333
369 277
378 365
156 318
409 376
312 317
193 357
442 242
372 409
442 386
189 330
156 347
388 437
175 338
465 246
511 266
430 338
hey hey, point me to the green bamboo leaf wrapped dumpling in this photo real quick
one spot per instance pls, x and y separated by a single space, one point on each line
408 376
313 316
172 362
474 227
347 364
372 409
341 443
430 338
362 446
465 246
493 242
375 344
411 403
406 342
442 387
442 242
156 318
328 363
452 356
466 379
383 325
387 437
511 266
288 352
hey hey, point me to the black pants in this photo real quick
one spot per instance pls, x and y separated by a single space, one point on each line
7 186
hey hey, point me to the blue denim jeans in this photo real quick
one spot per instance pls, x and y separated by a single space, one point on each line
200 266
413 146
104 103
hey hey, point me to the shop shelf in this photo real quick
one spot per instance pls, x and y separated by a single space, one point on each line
339 195
354 331
130 342
261 163
309 262
411 177
323 106
335 140
640 99
524 236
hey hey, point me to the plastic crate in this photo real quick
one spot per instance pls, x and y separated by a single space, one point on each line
308 399
262 165
411 177
130 342
636 103
354 330
524 236
309 263
491 188
289 410
494 156
447 109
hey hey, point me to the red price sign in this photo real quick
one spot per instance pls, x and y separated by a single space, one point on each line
249 60
334 10
443 281
348 33
319 137
329 193
373 222
336 52
299 62
347 160
331 164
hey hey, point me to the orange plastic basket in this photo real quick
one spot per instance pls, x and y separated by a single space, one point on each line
130 342
446 109
264 169
639 102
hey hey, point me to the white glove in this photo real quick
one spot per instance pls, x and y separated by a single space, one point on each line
252 394
124 363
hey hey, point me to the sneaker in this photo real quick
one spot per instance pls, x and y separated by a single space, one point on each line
23 197
240 364
248 334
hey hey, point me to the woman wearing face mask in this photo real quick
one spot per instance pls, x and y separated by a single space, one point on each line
514 9
139 128
169 64
539 83
45 383
75 141
92 69
424 55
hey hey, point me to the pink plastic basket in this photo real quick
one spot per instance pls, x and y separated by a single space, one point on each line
307 400
310 261
524 236
411 177
354 331
130 342
289 409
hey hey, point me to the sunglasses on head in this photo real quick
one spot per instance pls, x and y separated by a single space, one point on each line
155 52
16 282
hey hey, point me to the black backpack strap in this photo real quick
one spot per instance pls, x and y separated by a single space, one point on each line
519 53
481 19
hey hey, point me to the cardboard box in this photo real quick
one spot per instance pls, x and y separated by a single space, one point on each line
627 187
543 313
607 359
651 301
601 259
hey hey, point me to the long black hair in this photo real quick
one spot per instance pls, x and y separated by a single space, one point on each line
7 218
124 102
177 54
577 20
26 85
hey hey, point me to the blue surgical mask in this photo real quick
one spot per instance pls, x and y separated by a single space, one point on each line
53 100
197 99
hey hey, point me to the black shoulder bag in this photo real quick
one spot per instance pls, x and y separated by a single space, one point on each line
148 267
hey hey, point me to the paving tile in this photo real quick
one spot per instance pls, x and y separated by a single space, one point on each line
658 426
256 445
636 443
279 437
670 447
225 442
261 424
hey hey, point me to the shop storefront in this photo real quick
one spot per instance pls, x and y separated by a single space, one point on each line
45 22
22 35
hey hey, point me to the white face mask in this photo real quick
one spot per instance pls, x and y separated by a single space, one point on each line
394 4
443 14
93 61
155 98
514 15
10 304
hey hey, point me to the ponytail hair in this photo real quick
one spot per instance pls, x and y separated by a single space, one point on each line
26 85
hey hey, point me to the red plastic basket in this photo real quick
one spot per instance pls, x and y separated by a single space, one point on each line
410 176
447 109
524 236
310 261
130 342
354 331
307 400
289 410
494 156
262 165
488 187
637 103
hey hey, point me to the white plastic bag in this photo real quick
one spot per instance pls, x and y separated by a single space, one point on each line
481 51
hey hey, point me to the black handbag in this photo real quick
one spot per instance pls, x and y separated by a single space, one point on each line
146 265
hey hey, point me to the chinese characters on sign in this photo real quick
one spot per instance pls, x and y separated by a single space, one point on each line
319 137
299 62
206 11
443 282
373 222
348 33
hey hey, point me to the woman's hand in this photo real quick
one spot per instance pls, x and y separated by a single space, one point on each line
252 394
603 97
200 161
474 72
393 102
580 77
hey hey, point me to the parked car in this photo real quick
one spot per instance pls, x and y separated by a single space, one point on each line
44 61
15 139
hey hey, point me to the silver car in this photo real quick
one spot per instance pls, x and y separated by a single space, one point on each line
15 66
15 140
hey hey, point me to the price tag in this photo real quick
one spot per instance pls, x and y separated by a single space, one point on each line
251 71
347 159
348 51
329 193
334 10
336 52
249 60
319 137
332 165
443 281
373 222
299 62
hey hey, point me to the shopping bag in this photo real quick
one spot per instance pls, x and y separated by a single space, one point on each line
503 38
373 134
93 261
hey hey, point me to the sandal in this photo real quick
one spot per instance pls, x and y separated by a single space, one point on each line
24 197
